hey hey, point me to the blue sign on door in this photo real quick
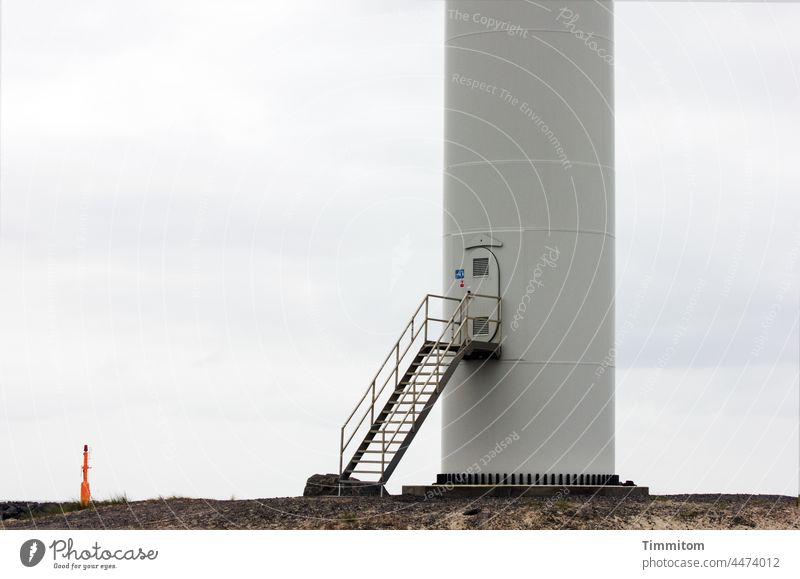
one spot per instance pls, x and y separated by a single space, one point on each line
459 274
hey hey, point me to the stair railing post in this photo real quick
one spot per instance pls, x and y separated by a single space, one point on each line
466 324
439 354
427 299
383 457
452 326
341 454
372 407
414 400
499 320
463 314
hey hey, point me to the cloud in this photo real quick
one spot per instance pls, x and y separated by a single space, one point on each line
216 221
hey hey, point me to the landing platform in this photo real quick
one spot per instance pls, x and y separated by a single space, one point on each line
477 350
475 491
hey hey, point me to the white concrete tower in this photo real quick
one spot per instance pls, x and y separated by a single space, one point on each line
529 190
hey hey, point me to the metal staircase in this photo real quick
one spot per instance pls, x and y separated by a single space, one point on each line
412 377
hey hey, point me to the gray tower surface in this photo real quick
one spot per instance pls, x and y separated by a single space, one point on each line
529 194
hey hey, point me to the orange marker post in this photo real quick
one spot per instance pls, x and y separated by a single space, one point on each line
86 494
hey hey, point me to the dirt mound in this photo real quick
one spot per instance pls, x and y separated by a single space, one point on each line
399 512
22 509
329 485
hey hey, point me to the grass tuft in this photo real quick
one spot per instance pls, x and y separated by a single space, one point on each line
112 500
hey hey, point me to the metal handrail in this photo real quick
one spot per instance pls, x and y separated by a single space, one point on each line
397 355
395 370
460 313
409 325
412 407
457 332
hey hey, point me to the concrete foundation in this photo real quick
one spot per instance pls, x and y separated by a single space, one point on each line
477 491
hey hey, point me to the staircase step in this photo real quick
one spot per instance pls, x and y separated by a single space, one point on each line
412 382
378 431
378 439
351 471
375 452
420 396
399 411
388 453
431 346
402 421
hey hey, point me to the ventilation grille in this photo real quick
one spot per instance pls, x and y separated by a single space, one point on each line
480 267
480 327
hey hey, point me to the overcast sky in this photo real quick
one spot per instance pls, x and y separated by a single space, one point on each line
216 217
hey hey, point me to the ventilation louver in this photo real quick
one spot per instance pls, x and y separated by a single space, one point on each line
480 267
480 326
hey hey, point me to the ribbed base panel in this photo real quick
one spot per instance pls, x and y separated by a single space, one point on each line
529 479
453 491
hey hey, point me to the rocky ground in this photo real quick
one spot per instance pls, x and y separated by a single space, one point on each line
401 512
20 509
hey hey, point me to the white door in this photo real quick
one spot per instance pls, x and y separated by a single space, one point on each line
482 278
